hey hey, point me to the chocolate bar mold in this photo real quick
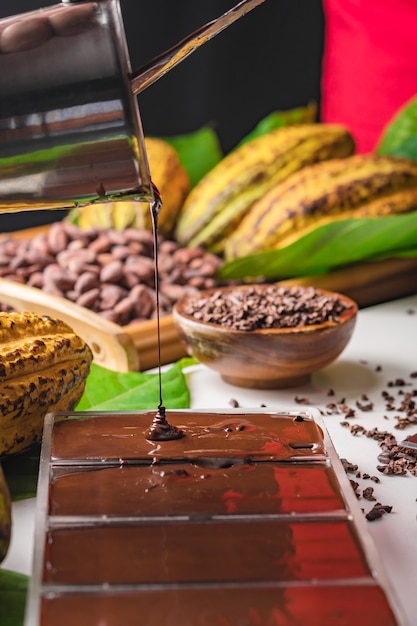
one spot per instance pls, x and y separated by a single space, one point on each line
258 499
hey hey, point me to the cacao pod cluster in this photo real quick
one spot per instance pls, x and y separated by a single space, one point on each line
267 192
276 188
218 203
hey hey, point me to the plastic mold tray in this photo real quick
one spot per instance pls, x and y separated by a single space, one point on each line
248 520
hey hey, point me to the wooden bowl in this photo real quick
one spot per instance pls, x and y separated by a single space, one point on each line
267 358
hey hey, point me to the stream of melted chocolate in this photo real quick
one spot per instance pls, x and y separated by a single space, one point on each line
160 429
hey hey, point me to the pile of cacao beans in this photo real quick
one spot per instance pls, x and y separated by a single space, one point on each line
108 271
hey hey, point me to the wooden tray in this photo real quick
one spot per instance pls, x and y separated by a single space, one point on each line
135 347
115 347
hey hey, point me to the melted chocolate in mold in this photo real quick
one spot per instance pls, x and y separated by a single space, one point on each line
203 552
188 489
216 438
260 605
160 429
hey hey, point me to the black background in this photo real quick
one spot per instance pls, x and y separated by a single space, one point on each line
270 59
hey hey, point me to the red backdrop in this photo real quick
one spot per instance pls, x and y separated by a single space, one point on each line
369 64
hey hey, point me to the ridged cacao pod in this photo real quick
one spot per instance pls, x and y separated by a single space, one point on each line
357 186
43 368
219 202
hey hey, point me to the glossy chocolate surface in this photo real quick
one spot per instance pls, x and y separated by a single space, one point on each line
243 436
187 489
265 605
203 552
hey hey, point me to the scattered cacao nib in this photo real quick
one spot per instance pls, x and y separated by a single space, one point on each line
368 494
365 407
377 512
355 487
330 392
398 382
378 368
396 467
404 422
348 466
301 400
387 396
234 403
332 408
385 457
356 429
393 459
347 410
413 375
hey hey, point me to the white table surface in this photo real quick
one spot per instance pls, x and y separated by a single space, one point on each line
384 336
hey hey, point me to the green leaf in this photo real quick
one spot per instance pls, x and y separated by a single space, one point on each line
399 137
407 150
278 119
13 592
199 152
330 246
108 390
21 472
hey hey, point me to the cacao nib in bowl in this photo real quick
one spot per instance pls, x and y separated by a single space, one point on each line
265 336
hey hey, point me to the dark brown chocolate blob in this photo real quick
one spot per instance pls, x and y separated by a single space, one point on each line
161 429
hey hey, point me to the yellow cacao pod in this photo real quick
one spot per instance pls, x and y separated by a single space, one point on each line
5 516
357 186
219 202
172 181
43 368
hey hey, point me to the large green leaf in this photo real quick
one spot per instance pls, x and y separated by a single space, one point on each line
278 119
330 246
199 152
108 390
13 590
399 137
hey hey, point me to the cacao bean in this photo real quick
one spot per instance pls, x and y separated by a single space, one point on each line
111 274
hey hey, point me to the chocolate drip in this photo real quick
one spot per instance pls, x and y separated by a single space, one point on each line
160 429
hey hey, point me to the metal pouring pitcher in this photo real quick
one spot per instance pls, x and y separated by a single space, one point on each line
70 128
